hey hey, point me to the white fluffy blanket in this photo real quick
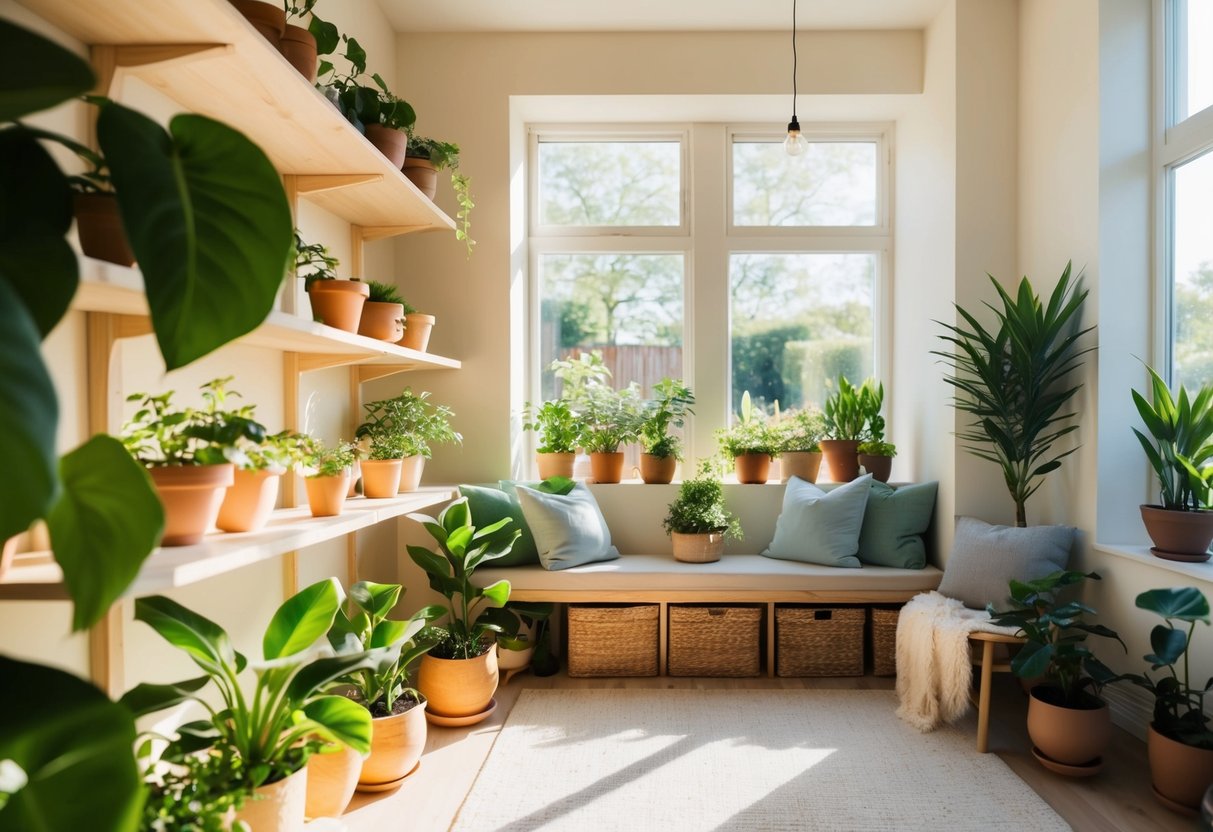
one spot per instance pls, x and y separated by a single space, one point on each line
934 672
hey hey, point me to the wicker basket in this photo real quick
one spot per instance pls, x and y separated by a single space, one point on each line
714 641
884 641
613 641
819 641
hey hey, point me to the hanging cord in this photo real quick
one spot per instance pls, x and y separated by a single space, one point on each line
794 60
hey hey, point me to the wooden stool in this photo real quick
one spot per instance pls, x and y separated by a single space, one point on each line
986 662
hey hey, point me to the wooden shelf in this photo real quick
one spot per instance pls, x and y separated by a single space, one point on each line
206 57
288 530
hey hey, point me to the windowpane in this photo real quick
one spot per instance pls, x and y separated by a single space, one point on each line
610 183
829 184
626 306
798 320
1192 258
1193 63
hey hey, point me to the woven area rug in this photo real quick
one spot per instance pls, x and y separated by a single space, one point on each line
738 760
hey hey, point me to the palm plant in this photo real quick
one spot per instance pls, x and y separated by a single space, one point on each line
1014 381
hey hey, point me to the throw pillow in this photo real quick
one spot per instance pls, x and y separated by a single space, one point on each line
816 526
569 530
488 505
986 558
893 525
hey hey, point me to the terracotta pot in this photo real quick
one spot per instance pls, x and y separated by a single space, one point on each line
1180 773
514 659
7 553
331 780
752 469
268 19
878 466
657 470
842 457
381 321
249 501
389 141
338 303
803 464
326 495
411 469
555 465
606 467
278 807
99 227
1186 533
423 174
698 548
1071 736
381 478
417 329
396 745
458 687
298 46
191 496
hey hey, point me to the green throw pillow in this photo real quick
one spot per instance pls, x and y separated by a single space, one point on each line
893 525
489 504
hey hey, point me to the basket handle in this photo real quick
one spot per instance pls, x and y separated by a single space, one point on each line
822 615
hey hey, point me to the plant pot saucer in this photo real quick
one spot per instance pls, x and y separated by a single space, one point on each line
460 721
1178 556
1089 769
390 784
1187 811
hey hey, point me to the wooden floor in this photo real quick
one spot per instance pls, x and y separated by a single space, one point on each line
1117 800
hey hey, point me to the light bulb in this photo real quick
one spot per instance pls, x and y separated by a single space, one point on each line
795 143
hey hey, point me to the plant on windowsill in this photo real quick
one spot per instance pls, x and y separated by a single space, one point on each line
611 418
849 415
335 302
326 470
560 431
383 313
800 432
663 450
750 443
698 522
421 165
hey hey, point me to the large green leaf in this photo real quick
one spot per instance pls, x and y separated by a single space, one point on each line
29 414
208 222
204 640
75 747
1168 644
105 523
316 674
148 698
1182 603
302 619
36 73
497 593
376 599
344 720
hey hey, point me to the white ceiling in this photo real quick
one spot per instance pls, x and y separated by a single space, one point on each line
655 15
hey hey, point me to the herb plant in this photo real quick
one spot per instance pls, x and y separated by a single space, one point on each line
1180 446
320 460
611 418
750 434
669 408
559 428
313 261
874 448
577 376
700 509
161 435
801 430
411 418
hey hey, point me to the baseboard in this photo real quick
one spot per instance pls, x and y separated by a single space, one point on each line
1132 707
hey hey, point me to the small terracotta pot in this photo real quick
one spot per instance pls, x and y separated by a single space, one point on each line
7 553
396 745
298 46
331 780
657 470
606 467
381 321
803 464
1180 773
278 807
1186 533
191 496
326 495
423 174
99 227
458 687
381 478
249 501
411 468
338 303
752 469
268 19
698 548
389 141
1071 736
842 457
878 466
417 329
555 465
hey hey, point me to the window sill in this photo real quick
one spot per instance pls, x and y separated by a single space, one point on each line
1141 554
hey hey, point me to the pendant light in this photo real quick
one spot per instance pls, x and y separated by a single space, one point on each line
795 143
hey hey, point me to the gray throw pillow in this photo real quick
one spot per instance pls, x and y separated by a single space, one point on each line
569 530
816 526
985 559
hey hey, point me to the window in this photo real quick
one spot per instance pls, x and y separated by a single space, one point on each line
1191 48
830 184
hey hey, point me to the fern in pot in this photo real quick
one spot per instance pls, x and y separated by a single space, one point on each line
662 449
698 521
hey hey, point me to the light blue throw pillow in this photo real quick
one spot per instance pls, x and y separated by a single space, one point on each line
569 530
822 527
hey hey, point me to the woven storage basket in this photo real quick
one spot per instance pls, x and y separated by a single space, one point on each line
613 641
714 641
884 641
819 641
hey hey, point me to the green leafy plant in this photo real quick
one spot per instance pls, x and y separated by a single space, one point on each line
194 792
1179 705
277 453
700 509
577 376
800 430
412 420
611 418
159 434
384 293
1056 634
313 261
751 433
853 413
295 9
669 408
320 460
559 428
1180 443
878 448
444 156
1014 381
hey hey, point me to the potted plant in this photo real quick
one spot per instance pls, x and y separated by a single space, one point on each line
259 465
1180 447
417 329
387 120
336 303
611 418
800 433
1180 743
383 313
381 470
560 435
848 411
326 471
876 457
199 791
186 452
417 423
266 18
421 165
662 450
750 443
297 44
698 522
1068 722
514 652
273 727
459 674
1014 381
